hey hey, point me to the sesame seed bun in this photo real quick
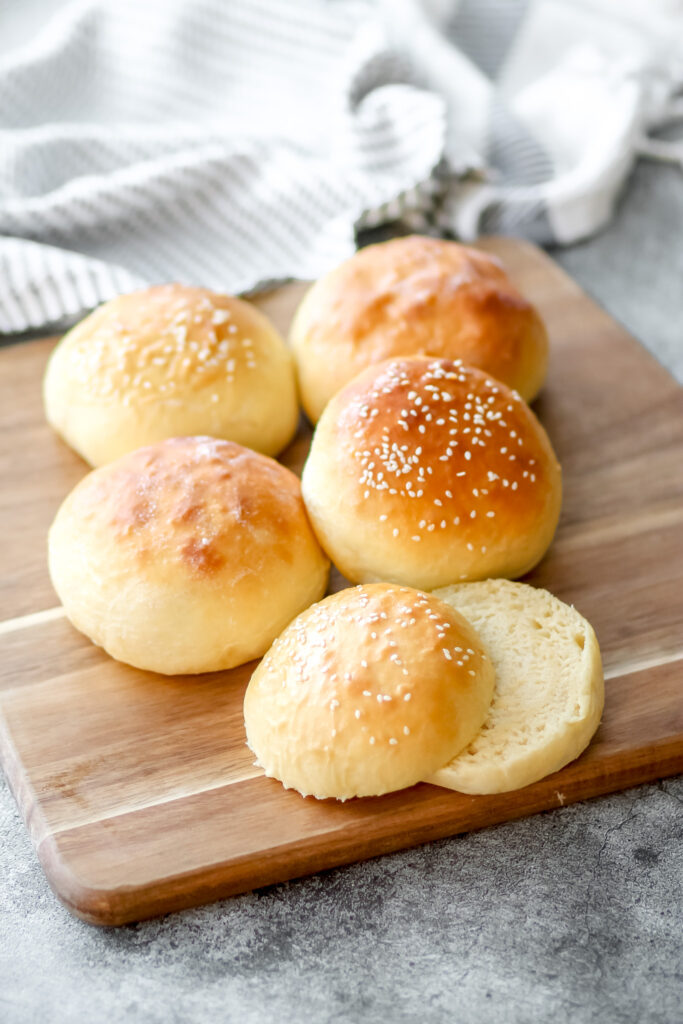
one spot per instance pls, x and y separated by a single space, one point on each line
365 689
427 472
166 362
549 691
416 296
187 556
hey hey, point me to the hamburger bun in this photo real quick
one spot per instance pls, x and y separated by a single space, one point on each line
364 690
416 296
187 556
426 472
171 361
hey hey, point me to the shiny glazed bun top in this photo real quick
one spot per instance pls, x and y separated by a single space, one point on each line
169 361
416 296
427 472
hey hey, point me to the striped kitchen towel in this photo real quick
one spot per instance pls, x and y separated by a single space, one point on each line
232 143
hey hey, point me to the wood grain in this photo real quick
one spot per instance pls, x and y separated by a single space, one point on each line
138 790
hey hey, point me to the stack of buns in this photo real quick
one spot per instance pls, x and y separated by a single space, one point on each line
190 550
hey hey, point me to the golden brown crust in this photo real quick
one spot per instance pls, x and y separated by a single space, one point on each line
197 503
427 472
365 688
166 361
186 556
164 339
416 296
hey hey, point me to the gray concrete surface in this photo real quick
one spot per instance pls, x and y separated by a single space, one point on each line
570 916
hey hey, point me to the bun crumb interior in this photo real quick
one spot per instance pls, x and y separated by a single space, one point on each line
549 692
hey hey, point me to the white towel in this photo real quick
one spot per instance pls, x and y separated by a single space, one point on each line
231 143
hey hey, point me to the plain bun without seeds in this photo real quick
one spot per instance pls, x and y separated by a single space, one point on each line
187 556
426 472
411 296
365 690
171 361
549 691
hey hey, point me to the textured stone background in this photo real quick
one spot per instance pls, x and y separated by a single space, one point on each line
569 916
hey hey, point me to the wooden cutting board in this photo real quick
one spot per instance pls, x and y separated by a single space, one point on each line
138 790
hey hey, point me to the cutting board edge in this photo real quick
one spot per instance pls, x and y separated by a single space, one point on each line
20 786
104 907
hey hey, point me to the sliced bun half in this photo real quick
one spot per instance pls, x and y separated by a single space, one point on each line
549 691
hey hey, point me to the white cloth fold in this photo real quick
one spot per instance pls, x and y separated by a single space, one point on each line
236 142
